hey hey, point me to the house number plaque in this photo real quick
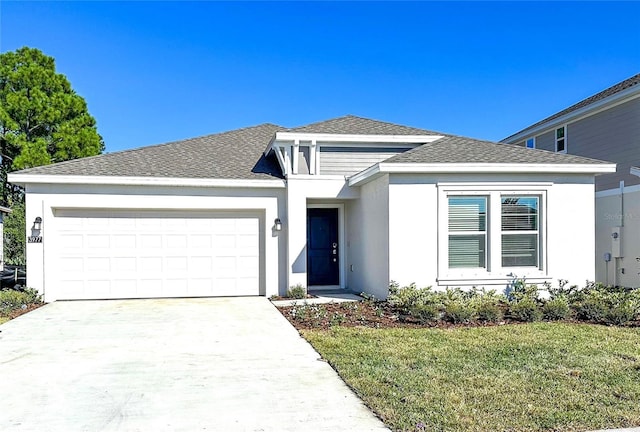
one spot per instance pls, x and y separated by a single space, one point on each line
34 239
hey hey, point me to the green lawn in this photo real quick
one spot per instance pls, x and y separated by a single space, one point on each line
529 377
3 319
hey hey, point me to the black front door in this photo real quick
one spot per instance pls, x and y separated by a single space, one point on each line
323 259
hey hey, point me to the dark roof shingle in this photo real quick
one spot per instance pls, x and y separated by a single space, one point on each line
236 154
462 150
355 125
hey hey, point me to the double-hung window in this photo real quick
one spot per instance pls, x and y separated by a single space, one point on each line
467 231
492 232
520 231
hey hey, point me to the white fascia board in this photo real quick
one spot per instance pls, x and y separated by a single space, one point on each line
593 108
356 138
635 171
23 179
371 173
269 146
417 168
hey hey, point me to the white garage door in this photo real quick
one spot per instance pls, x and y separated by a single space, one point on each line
140 254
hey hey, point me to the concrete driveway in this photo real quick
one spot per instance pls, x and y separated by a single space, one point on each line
228 364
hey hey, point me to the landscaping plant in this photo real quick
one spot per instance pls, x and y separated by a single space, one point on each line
14 302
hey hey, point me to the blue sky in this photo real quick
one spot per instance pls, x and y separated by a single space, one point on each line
153 72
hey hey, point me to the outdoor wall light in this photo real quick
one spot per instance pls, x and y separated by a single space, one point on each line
37 224
277 225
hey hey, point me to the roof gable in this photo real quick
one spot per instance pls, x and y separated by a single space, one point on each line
353 125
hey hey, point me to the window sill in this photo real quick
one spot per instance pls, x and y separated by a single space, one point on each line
533 277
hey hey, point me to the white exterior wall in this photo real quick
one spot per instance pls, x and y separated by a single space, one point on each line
42 200
368 239
418 224
413 230
300 190
570 232
616 209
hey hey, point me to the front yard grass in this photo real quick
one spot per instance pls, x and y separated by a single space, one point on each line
525 377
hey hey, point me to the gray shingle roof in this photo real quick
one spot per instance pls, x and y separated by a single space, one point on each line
351 124
236 154
617 88
454 149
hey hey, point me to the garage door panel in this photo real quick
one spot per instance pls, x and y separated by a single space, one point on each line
137 255
201 263
200 241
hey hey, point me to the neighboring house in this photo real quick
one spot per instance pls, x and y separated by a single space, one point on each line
348 203
604 126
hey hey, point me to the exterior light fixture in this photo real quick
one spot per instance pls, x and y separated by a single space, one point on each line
277 225
37 224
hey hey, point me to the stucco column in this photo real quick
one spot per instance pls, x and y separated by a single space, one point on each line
35 251
297 233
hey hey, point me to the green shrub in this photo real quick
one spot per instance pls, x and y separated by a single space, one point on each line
459 311
526 309
412 300
297 292
621 313
425 312
488 311
606 304
520 290
556 309
591 309
12 300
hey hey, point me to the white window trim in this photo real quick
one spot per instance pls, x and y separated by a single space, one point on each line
533 140
537 232
494 270
555 138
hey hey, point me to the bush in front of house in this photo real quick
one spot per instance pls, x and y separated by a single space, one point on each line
422 304
12 300
606 304
556 309
594 303
458 307
489 306
297 292
524 301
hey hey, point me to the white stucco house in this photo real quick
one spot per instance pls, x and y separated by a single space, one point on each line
348 203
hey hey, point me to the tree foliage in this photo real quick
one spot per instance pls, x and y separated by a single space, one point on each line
14 235
42 119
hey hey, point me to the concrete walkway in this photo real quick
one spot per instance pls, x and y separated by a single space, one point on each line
228 364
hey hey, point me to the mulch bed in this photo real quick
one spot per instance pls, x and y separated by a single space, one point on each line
17 312
362 314
378 315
